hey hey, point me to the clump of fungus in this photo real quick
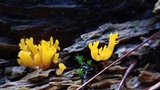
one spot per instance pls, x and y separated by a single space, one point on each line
42 55
105 52
62 67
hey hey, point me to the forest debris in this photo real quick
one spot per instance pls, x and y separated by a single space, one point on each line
61 81
73 87
132 82
69 74
148 77
117 68
16 87
126 74
108 76
17 84
27 81
115 87
15 72
104 83
39 79
38 75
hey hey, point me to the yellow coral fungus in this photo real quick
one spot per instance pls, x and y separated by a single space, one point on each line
41 55
62 67
105 52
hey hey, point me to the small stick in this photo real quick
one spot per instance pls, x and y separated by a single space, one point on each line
155 87
121 58
130 68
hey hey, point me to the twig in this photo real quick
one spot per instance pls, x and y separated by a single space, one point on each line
155 87
117 60
130 68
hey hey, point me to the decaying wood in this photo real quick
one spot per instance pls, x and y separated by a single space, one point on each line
44 19
127 31
70 80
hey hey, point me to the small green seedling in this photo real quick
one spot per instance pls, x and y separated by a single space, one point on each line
85 66
80 59
80 71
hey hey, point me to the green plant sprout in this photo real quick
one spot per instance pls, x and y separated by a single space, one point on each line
80 71
80 59
89 62
85 66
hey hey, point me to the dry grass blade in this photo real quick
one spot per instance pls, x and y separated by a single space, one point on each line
130 68
121 58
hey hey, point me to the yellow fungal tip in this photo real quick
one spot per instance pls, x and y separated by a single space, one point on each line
62 67
104 53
